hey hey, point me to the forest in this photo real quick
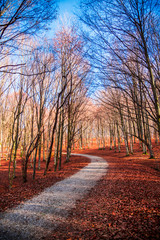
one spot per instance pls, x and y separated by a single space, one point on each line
91 87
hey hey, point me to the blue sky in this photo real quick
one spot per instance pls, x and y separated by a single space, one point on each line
66 11
68 6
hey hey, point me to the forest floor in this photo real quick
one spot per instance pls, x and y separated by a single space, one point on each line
123 205
37 218
22 191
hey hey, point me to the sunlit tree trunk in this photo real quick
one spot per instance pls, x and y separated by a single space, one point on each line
58 144
39 153
81 137
118 136
44 141
111 136
69 133
61 138
52 135
15 138
124 130
114 136
129 126
1 136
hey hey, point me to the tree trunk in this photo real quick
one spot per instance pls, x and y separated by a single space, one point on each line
43 144
124 131
39 154
61 139
118 136
111 136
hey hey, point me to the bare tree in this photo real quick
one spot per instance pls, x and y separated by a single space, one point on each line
24 17
121 29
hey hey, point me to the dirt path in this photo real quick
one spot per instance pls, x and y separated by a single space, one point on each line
123 205
38 217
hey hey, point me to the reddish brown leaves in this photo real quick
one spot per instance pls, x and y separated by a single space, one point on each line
22 191
123 205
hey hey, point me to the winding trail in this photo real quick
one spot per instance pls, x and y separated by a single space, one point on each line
38 217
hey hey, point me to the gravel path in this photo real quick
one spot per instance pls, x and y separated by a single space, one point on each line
38 217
